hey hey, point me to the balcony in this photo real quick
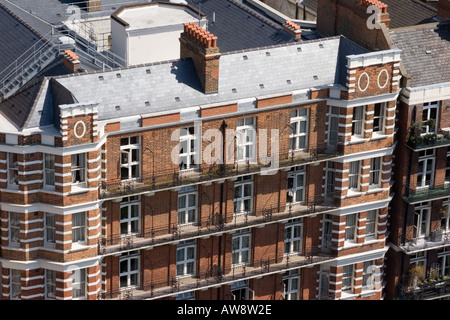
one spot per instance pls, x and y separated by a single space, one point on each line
434 240
414 194
419 142
218 276
430 290
214 226
160 180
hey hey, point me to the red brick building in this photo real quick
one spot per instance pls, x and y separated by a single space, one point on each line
256 174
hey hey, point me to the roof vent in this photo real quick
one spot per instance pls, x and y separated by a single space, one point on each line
316 77
147 103
288 81
261 86
177 99
118 75
148 71
428 52
268 53
234 90
299 49
320 45
117 108
100 78
245 57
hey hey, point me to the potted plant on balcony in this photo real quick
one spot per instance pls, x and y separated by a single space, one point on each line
415 131
416 272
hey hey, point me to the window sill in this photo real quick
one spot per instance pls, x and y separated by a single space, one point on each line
378 136
78 189
78 247
357 140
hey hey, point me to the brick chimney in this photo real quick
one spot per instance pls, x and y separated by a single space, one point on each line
94 5
293 29
444 9
201 46
361 21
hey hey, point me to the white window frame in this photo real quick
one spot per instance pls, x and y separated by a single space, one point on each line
426 157
190 138
49 170
427 115
375 172
128 259
369 275
79 282
296 192
291 285
444 262
13 170
15 292
293 234
50 284
371 223
246 139
186 263
445 220
351 225
447 167
299 126
14 229
82 227
50 229
354 176
242 197
358 121
422 220
378 117
130 158
78 168
187 213
347 278
240 248
128 206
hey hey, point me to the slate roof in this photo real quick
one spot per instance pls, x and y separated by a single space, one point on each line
239 78
16 37
425 52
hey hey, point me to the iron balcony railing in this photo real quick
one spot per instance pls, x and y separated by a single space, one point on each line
215 225
217 276
430 140
430 191
425 291
434 240
159 179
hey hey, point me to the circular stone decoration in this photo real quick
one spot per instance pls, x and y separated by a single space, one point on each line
383 78
79 129
363 81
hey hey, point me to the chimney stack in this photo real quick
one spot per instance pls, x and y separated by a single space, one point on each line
201 46
94 5
444 9
293 29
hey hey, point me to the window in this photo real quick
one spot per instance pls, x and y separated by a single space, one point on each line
186 258
188 149
241 291
293 236
291 285
375 172
13 170
129 269
353 176
298 138
79 228
296 184
347 278
79 284
130 158
369 275
14 228
421 227
350 227
15 286
187 205
185 296
243 194
425 171
430 117
50 229
240 247
49 170
418 262
445 219
444 262
357 121
130 208
447 167
79 168
371 225
246 139
50 284
378 117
